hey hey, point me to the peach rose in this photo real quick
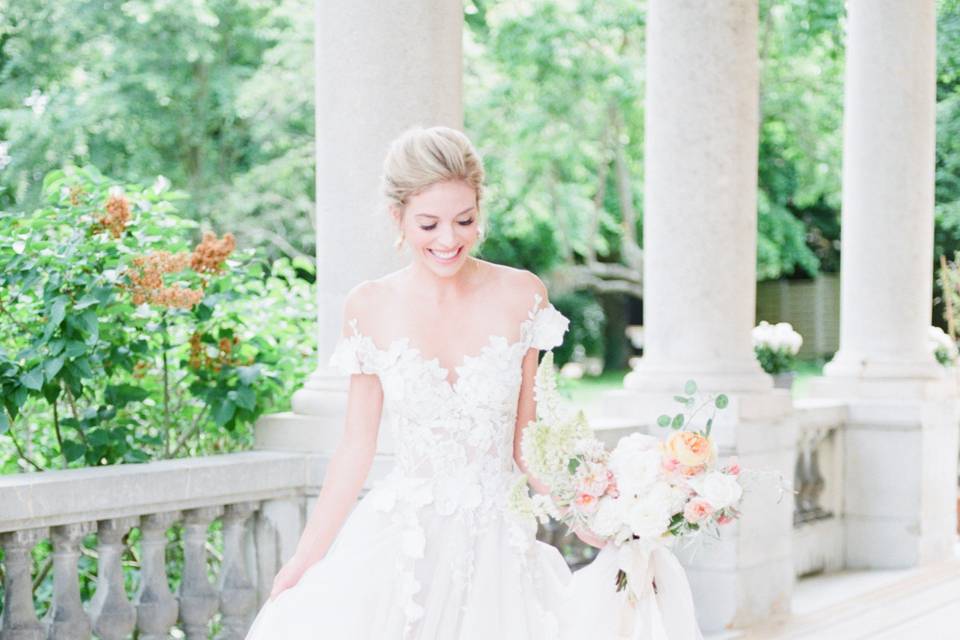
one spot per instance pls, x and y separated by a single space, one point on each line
690 449
697 510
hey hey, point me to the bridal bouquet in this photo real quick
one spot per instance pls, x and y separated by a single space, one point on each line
645 493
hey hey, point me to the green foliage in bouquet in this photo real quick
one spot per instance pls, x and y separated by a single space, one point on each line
121 343
689 401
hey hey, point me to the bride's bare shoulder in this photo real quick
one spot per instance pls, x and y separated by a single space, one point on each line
364 299
520 285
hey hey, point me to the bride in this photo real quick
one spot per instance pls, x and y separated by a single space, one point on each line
447 348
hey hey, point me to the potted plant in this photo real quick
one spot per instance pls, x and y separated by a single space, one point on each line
776 347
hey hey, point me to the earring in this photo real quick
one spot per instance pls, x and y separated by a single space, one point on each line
398 243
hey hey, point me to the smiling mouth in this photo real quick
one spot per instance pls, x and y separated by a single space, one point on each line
446 256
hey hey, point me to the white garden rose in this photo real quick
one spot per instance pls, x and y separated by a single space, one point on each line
608 520
649 515
719 489
636 463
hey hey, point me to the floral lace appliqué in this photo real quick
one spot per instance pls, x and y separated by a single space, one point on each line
454 442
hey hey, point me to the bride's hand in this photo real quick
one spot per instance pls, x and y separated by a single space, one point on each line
288 576
589 537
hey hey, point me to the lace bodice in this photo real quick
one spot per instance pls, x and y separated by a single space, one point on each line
454 441
445 430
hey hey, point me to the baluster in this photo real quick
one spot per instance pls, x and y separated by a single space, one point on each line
198 597
112 612
817 481
238 597
156 605
19 620
798 485
66 619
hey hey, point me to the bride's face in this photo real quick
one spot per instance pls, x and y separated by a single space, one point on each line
440 226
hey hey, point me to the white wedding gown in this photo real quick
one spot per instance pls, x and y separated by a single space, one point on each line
432 551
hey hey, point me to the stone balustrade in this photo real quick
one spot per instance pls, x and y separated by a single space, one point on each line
818 486
259 498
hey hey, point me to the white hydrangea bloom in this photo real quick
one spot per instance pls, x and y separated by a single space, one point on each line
777 337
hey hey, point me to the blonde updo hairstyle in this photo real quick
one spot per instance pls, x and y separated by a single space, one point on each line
422 157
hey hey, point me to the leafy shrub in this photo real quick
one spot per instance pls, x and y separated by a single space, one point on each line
121 343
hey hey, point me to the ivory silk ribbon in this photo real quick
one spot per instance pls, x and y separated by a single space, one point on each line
666 614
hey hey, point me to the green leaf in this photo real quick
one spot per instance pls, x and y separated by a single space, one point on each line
89 324
682 399
677 422
33 379
573 464
663 421
4 422
246 398
121 395
722 401
74 349
86 301
690 387
52 367
249 374
223 411
55 315
72 450
51 391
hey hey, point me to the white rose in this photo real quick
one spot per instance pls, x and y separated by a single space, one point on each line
719 489
649 515
636 462
609 517
635 470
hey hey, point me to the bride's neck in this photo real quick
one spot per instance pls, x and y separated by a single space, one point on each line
441 288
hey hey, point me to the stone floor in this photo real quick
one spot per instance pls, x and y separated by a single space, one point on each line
875 605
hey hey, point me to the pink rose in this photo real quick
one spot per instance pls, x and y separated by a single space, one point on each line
733 468
670 464
586 503
724 519
612 490
697 510
593 478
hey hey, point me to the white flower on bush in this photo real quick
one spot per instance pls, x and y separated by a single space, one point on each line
719 489
636 463
943 347
776 345
777 337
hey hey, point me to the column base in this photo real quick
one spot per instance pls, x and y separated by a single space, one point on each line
726 377
851 365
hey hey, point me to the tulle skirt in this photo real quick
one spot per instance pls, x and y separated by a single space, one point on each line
393 575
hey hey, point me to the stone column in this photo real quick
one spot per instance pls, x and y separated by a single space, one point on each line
381 68
903 411
702 118
888 175
700 197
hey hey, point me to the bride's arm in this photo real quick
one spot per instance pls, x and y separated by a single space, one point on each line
346 473
347 470
526 413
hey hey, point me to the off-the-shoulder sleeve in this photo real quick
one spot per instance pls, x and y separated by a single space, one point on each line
353 353
549 325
